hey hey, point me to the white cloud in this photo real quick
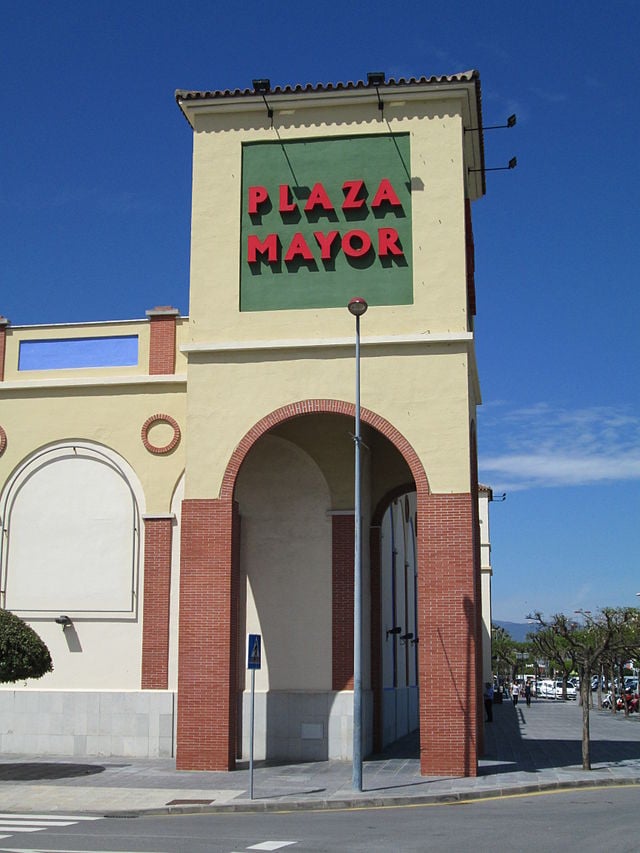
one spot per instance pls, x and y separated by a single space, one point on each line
541 446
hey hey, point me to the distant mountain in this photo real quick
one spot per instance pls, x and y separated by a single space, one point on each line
517 630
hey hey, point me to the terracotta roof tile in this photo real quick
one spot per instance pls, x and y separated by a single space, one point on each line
463 77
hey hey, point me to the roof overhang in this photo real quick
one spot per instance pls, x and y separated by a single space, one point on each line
287 100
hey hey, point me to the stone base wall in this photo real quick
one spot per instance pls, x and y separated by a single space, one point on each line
138 724
297 726
400 713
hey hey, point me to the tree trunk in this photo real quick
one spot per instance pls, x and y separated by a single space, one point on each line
585 689
614 698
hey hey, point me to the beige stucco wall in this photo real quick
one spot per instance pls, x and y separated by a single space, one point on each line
107 405
140 328
422 393
103 408
416 359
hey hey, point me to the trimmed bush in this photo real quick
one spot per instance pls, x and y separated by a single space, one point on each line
22 652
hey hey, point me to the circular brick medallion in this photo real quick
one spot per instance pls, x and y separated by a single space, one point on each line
160 419
3 441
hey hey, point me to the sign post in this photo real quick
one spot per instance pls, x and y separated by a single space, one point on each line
254 661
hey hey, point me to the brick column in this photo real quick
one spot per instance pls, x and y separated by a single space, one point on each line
447 631
207 656
162 345
158 531
343 543
3 342
475 519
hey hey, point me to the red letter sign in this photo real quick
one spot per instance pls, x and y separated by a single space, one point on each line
386 193
268 245
318 198
388 239
356 251
351 200
298 246
325 243
257 196
286 206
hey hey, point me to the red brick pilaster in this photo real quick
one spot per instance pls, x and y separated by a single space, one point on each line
3 342
342 597
207 679
155 617
477 579
162 345
447 631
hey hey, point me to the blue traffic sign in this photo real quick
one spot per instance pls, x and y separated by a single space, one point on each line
254 651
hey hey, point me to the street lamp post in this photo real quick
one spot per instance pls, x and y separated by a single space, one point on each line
357 306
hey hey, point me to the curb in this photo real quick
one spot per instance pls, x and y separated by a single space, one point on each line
374 802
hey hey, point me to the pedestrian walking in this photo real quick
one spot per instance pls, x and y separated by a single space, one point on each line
488 701
527 693
515 692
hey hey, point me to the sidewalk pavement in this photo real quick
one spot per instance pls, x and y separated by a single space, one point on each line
528 749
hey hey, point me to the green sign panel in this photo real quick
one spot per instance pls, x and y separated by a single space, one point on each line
324 220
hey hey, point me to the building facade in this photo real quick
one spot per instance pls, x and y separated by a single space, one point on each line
174 484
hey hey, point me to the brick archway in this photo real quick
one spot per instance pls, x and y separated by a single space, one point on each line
307 407
207 689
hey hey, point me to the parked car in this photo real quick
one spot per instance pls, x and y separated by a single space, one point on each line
571 690
550 689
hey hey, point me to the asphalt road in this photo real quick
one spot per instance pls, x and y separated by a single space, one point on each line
586 820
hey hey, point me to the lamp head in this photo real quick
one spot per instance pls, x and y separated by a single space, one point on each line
375 78
357 306
261 86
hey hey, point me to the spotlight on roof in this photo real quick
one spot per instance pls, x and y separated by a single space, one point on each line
375 78
261 86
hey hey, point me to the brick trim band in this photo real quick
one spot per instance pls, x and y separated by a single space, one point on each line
160 419
307 407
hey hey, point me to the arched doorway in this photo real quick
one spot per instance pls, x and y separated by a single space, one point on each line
294 492
290 481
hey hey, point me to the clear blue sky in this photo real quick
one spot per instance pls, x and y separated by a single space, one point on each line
95 196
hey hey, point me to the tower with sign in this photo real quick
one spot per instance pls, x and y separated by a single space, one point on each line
304 197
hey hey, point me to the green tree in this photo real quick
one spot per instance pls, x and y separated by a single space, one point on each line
22 653
613 631
551 645
503 652
508 655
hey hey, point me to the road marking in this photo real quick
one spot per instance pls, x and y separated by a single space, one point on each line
271 845
65 850
28 822
13 823
13 829
52 816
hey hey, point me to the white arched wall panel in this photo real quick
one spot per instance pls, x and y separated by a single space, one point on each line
71 534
